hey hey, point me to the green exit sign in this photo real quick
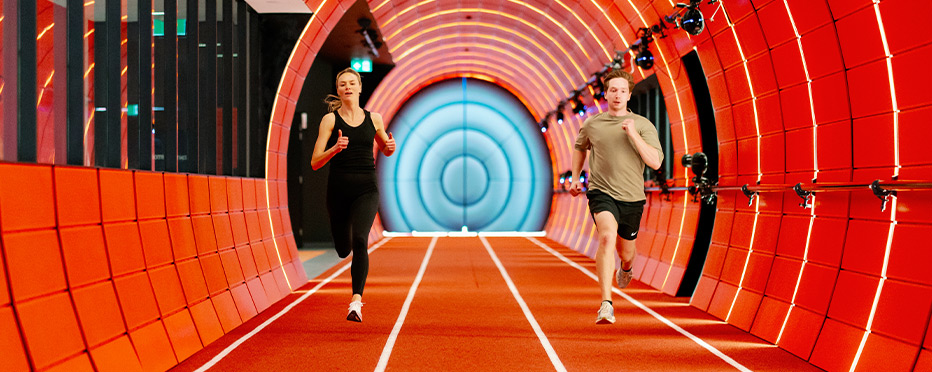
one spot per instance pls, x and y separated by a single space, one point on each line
361 64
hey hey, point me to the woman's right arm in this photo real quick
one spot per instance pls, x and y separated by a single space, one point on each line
322 155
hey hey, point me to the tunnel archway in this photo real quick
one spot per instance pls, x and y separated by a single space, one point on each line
470 155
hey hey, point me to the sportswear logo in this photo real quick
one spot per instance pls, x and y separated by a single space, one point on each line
634 233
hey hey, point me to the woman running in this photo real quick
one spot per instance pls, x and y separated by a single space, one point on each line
345 140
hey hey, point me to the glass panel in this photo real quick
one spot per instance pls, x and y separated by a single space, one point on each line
94 12
45 71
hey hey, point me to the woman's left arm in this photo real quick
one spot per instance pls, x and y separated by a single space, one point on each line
385 140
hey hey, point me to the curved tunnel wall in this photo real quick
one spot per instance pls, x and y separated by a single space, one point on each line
802 90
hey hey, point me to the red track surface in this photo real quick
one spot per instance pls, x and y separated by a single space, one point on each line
464 317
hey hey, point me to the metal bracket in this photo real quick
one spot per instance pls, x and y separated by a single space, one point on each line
750 194
882 193
805 195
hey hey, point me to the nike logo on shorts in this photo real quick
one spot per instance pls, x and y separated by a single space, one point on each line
634 233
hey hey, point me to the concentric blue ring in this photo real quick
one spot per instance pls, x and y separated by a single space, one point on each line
469 154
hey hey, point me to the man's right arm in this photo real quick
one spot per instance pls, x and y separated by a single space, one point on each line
579 158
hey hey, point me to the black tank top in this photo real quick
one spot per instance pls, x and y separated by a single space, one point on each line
357 157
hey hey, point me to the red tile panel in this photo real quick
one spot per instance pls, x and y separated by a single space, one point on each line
153 348
244 303
198 194
204 234
908 260
13 357
213 273
232 268
116 355
124 248
823 56
34 264
167 288
769 319
775 21
77 196
788 65
150 195
32 191
238 224
192 280
206 321
117 195
865 246
869 78
859 36
834 145
182 334
801 332
886 354
783 268
853 298
218 194
816 287
902 311
156 242
226 311
182 238
98 312
176 195
50 329
136 299
85 256
836 346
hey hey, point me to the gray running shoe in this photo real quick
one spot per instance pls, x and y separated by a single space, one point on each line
623 277
355 312
606 314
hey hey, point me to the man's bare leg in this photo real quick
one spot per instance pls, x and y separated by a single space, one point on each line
605 257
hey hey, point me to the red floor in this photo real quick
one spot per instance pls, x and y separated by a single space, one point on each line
464 316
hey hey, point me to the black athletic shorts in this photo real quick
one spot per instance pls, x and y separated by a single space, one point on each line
627 214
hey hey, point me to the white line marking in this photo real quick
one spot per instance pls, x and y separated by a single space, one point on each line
387 350
275 317
557 364
646 309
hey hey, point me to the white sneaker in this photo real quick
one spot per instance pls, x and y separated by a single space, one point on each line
623 277
355 311
606 314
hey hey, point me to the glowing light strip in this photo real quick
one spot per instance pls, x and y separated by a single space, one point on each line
41 34
390 84
561 26
883 278
42 93
815 174
494 27
759 174
679 108
441 39
487 11
799 278
896 109
268 137
896 173
412 70
605 14
376 9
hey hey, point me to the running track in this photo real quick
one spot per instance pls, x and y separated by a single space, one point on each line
479 304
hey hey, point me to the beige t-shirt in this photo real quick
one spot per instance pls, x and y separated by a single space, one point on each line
615 166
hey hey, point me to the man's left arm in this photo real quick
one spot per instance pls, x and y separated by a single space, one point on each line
647 143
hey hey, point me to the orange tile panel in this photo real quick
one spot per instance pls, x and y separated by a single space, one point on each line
136 299
156 242
98 313
77 196
50 329
117 196
124 248
153 348
34 264
182 334
206 321
85 255
117 356
167 288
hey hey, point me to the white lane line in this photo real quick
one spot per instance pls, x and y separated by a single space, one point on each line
390 344
275 317
554 359
646 309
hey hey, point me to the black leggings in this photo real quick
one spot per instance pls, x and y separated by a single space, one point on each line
352 201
